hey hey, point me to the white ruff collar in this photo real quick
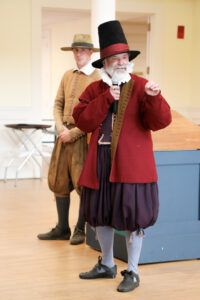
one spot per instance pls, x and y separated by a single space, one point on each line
107 79
87 69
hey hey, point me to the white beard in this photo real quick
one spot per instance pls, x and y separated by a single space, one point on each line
110 75
124 70
119 75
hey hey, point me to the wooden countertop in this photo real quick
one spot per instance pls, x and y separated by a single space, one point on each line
181 134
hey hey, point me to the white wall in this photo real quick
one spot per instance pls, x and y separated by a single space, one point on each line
136 35
195 76
178 55
18 95
15 53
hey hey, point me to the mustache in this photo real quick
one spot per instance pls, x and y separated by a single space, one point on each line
120 67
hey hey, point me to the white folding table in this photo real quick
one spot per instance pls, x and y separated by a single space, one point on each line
24 134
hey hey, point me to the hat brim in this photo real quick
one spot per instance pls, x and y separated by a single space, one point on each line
71 48
99 63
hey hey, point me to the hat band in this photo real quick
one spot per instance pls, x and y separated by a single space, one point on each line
114 49
82 45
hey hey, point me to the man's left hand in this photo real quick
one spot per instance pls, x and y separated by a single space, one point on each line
65 135
152 88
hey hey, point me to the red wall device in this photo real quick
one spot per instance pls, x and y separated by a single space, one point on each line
180 32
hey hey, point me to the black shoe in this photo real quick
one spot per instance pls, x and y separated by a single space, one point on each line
94 273
78 236
130 282
55 234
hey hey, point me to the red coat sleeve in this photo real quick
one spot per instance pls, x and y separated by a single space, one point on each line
155 112
93 107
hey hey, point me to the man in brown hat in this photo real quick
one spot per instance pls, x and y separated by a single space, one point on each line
119 176
70 148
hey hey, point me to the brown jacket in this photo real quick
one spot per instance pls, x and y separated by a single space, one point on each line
73 83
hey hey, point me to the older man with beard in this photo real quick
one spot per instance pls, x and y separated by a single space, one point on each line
119 176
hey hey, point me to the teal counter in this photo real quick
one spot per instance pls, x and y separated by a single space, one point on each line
176 234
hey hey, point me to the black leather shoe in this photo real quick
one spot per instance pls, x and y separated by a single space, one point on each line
130 282
95 272
78 236
55 234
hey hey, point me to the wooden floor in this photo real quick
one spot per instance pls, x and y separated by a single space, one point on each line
48 270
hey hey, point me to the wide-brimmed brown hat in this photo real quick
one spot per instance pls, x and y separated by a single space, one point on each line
112 41
81 41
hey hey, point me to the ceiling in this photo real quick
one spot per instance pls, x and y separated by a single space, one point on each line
56 16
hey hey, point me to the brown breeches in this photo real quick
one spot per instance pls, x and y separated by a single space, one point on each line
65 166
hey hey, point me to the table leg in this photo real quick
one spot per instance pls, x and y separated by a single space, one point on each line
22 165
27 136
35 146
23 143
6 168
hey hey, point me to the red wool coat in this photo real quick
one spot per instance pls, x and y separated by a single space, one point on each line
133 160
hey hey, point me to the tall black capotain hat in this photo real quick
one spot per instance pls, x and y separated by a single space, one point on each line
112 41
